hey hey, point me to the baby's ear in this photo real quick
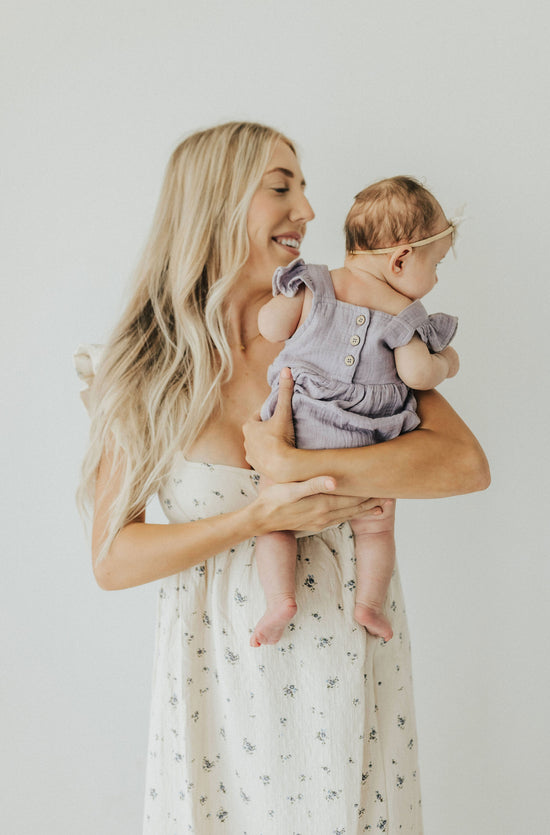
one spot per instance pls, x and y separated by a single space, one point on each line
398 259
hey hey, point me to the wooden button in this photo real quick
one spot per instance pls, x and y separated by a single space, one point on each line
349 360
355 340
360 319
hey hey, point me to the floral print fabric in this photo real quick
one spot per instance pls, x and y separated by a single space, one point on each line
314 735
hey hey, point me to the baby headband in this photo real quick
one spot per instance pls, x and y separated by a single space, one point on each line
451 229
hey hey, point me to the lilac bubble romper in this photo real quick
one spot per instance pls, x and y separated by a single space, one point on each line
347 392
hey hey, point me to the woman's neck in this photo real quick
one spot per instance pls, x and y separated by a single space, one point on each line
241 314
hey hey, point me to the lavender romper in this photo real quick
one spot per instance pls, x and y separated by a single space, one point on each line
347 392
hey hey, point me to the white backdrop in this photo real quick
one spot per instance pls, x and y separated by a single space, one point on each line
96 96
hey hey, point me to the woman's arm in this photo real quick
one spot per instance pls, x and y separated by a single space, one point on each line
420 369
142 552
440 458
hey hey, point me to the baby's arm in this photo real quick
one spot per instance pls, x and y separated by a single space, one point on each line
279 318
419 369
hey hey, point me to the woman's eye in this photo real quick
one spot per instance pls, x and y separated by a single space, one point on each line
280 190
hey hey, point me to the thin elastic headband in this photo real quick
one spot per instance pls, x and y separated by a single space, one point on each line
450 230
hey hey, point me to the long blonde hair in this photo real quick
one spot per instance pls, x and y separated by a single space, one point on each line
160 377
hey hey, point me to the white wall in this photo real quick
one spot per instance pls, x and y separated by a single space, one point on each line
96 96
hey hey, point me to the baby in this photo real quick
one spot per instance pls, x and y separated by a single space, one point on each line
357 341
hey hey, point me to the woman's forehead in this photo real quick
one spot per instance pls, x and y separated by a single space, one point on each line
283 160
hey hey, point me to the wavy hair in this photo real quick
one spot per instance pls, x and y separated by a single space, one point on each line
392 211
160 377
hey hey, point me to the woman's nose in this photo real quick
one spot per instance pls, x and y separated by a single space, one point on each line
302 210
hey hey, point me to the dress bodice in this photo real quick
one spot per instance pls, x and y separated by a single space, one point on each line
195 490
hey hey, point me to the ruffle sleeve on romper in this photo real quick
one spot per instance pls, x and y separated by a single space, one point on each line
86 362
288 280
435 330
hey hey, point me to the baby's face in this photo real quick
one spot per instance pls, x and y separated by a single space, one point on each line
420 274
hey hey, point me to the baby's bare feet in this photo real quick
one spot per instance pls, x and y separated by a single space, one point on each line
373 620
271 626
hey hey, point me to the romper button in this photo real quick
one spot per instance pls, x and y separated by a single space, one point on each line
355 340
349 360
360 319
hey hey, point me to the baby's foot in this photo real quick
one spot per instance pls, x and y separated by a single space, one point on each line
373 620
271 626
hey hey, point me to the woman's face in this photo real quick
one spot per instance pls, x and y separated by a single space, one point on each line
278 214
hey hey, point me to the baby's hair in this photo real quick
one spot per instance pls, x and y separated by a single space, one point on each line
389 212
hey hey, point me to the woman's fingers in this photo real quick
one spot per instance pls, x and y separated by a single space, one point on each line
319 484
282 415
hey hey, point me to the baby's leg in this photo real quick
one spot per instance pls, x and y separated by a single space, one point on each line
275 556
375 555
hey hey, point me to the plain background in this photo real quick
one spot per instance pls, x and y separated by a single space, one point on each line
96 95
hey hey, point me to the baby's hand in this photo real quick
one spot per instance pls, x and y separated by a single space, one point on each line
452 359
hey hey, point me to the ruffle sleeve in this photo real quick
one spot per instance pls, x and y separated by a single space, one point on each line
287 280
435 330
86 362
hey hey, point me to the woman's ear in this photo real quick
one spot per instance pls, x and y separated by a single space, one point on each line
398 258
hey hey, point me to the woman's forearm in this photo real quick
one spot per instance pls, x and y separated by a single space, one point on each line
142 552
440 458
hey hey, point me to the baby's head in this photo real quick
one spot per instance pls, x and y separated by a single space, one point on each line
399 225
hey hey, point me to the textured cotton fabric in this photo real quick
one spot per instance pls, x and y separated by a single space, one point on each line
347 392
313 736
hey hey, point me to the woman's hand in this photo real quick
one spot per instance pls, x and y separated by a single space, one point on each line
267 443
307 506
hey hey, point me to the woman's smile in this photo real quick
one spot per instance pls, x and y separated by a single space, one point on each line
278 214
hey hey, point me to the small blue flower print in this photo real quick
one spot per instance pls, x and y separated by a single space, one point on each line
292 799
248 747
322 736
240 599
231 657
290 690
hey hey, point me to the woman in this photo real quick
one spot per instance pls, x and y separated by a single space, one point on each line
316 734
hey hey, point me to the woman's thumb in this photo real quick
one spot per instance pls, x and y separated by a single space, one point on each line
320 484
283 409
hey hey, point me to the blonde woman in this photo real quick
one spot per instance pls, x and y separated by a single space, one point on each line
316 734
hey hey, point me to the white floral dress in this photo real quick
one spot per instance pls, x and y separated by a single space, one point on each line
313 736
